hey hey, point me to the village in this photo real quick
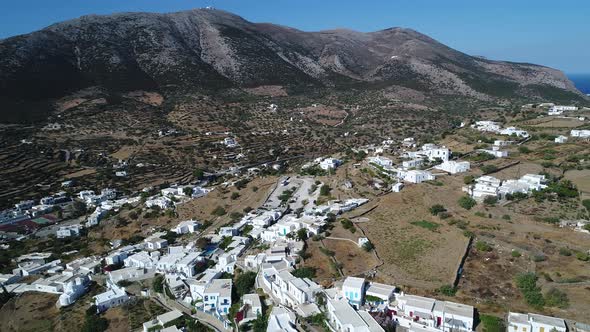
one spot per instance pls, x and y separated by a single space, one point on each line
255 270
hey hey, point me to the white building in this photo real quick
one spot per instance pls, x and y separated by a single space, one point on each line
412 163
526 184
68 231
514 131
330 163
188 226
353 289
162 320
142 259
564 108
217 296
534 323
454 167
484 186
416 176
113 297
130 274
431 151
288 289
580 133
560 139
342 317
251 308
281 320
381 161
397 187
489 126
433 315
496 152
161 202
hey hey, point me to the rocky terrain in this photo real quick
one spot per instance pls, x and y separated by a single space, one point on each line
209 50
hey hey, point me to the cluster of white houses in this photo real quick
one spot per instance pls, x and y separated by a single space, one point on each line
489 186
426 155
496 128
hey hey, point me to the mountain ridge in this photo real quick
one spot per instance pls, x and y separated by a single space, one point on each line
210 49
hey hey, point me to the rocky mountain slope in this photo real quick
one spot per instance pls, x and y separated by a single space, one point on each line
208 50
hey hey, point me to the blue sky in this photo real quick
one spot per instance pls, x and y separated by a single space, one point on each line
551 33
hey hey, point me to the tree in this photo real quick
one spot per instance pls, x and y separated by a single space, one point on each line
467 202
302 234
218 211
586 204
235 195
490 200
188 191
436 209
260 324
325 190
199 174
158 284
244 283
368 246
468 179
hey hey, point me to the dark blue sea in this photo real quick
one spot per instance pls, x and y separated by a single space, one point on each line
582 82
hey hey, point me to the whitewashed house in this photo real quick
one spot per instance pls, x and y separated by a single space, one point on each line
585 133
217 296
330 163
68 231
381 161
560 139
281 320
143 259
484 186
114 296
353 289
161 321
454 167
496 152
534 323
417 176
397 187
433 315
342 317
486 126
412 163
187 226
514 131
129 274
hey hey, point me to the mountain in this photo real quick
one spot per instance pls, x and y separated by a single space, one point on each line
210 50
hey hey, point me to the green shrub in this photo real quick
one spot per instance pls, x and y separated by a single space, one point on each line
304 272
582 256
527 284
467 202
565 252
492 323
556 298
515 253
436 209
447 290
483 246
426 224
218 211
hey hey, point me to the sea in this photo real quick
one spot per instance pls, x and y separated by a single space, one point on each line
582 82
